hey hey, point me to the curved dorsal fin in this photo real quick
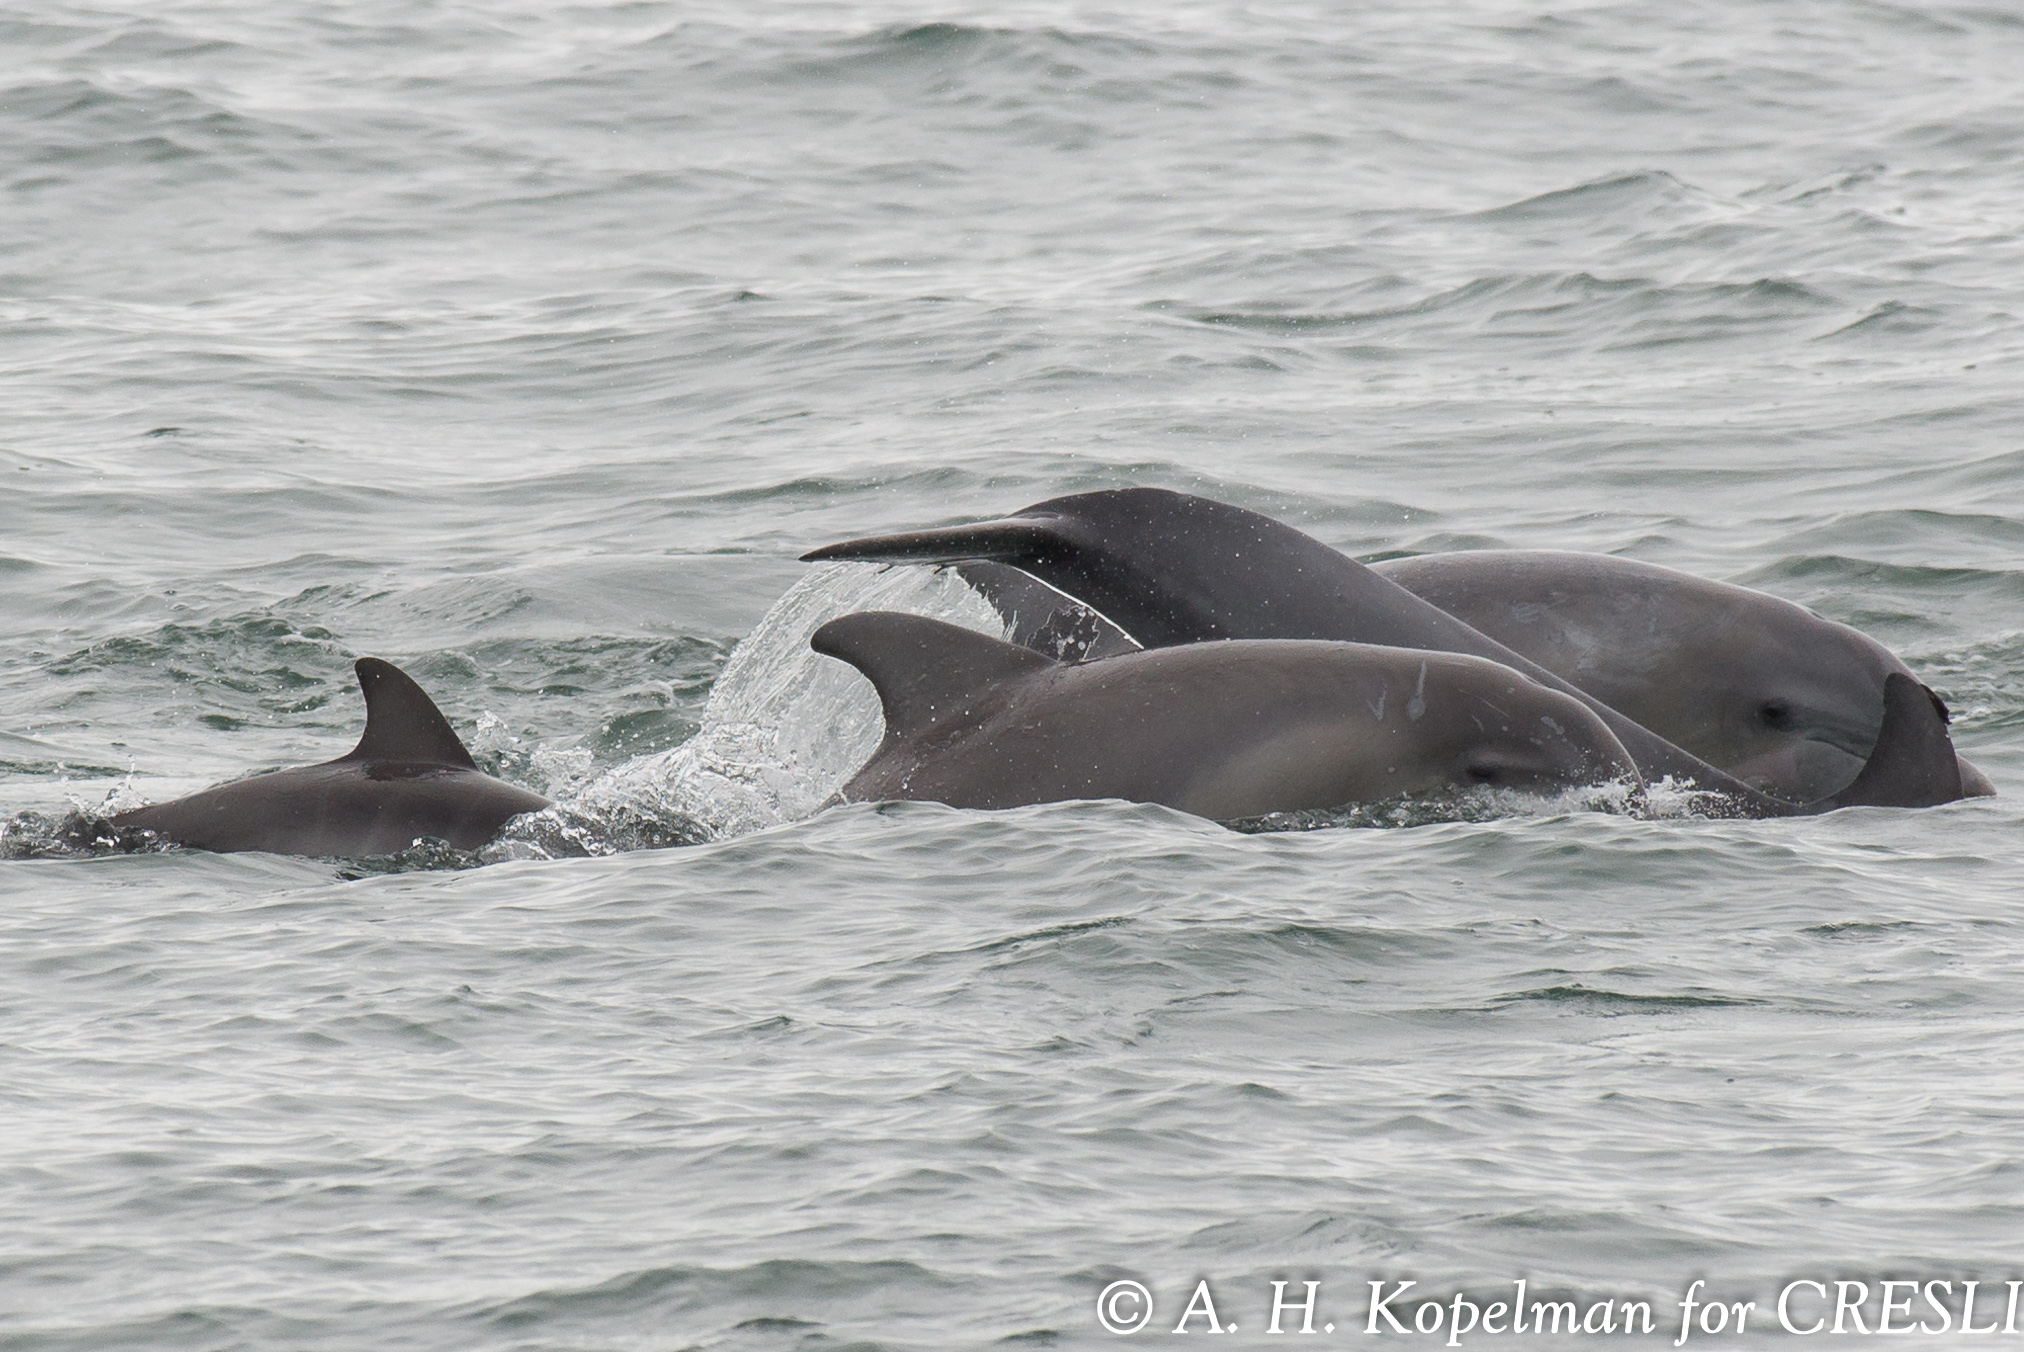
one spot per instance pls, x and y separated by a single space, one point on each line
401 722
924 670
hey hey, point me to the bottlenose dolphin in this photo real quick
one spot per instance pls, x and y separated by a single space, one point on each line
1758 687
1763 688
408 777
1222 730
1168 569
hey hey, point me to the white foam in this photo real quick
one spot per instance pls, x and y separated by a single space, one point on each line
784 728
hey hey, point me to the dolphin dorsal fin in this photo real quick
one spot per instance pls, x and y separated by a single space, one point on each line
924 670
401 722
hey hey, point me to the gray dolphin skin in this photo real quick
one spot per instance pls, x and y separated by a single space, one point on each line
1222 730
1171 569
1765 689
408 777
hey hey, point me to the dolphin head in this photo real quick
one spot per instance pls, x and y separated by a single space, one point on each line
1539 741
1798 699
1473 723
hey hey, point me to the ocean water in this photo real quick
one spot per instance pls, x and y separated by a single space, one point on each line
528 345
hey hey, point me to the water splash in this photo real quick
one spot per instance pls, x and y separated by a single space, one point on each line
81 833
783 729
1473 804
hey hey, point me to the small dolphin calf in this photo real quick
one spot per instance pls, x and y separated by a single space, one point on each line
1763 688
1222 730
1168 568
408 777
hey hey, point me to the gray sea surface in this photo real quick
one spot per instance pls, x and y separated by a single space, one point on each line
527 345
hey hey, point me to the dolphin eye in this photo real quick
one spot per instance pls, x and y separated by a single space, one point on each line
1482 774
1774 712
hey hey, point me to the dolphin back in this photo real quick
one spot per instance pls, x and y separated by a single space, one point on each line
410 776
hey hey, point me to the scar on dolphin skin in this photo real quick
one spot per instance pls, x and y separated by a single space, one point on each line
409 777
1170 569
